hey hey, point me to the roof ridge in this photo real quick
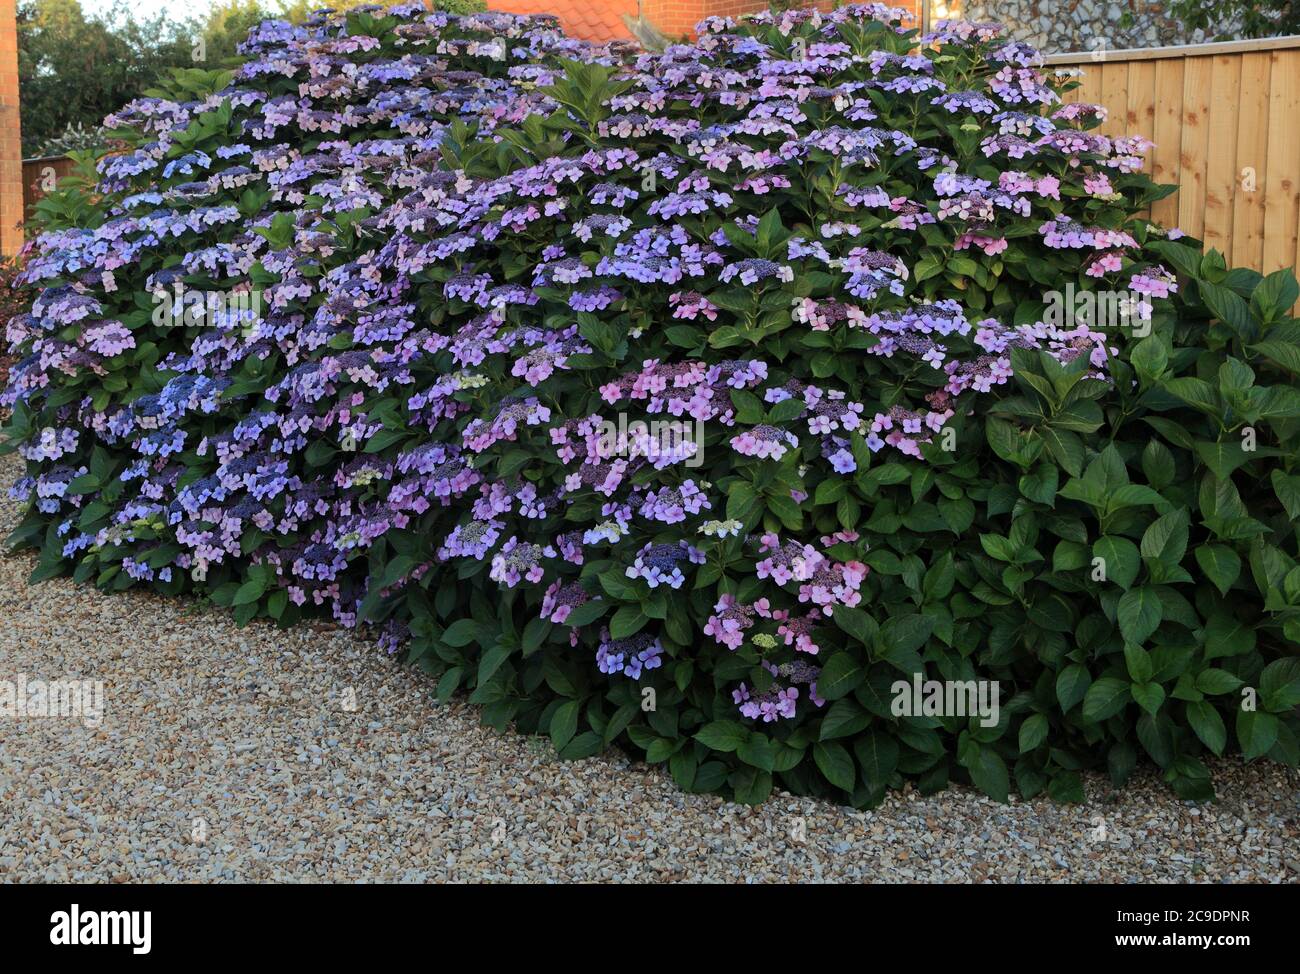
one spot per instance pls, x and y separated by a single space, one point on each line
584 20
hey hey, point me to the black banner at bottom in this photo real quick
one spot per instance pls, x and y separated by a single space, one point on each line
142 924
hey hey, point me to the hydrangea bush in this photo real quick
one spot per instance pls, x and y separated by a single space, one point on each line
390 323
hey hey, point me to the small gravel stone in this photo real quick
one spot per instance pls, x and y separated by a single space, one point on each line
228 755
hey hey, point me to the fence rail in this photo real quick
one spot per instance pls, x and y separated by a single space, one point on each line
1225 120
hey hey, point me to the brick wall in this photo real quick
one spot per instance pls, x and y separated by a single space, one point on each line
676 18
11 148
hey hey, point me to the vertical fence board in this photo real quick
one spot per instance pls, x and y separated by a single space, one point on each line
1141 115
1251 166
1197 80
1140 119
1168 136
1114 82
1090 91
1221 159
1280 188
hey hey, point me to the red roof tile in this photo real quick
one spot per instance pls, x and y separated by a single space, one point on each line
585 20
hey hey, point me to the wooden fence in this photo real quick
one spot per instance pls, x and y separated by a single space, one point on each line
1225 120
39 173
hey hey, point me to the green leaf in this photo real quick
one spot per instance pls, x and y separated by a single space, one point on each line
844 718
927 267
1222 458
1208 725
618 723
957 512
684 336
1287 489
988 771
1235 378
1040 485
1149 357
585 614
1130 495
627 621
1284 354
448 684
1121 759
1066 449
1279 684
1138 661
1033 732
877 755
998 547
1120 560
659 751
741 500
1165 539
85 484
758 751
1227 636
770 232
1275 295
839 676
1256 732
582 746
1069 556
1275 402
1158 464
835 763
1008 442
1072 684
564 724
749 408
1214 681
1195 392
787 410
1156 735
1139 613
1228 307
723 735
1221 565
491 661
1066 787
462 632
903 635
856 623
1287 749
249 592
1186 260
751 786
1105 698
1149 696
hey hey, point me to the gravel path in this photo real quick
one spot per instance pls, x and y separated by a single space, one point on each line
258 755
